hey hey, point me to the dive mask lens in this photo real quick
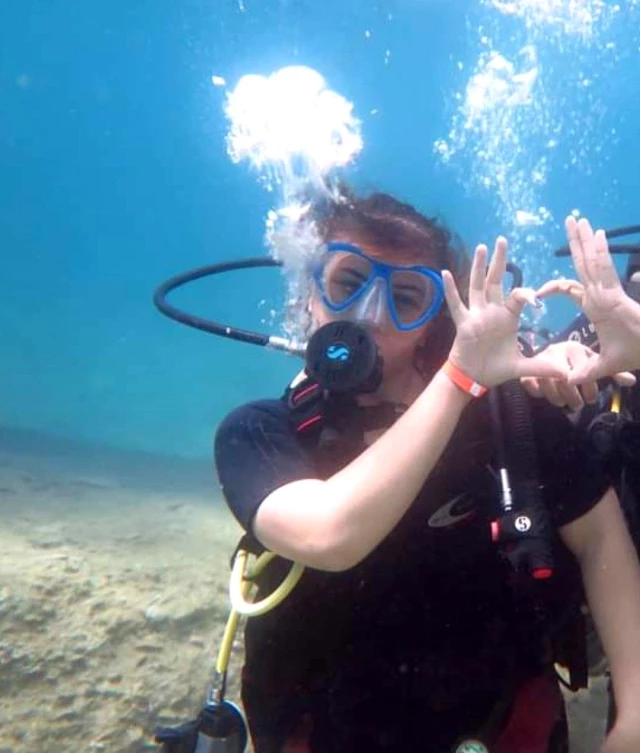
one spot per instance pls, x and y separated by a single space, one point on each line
345 277
413 296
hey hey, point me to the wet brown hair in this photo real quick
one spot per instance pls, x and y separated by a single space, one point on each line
399 233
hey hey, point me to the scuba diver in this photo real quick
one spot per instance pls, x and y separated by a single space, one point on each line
424 619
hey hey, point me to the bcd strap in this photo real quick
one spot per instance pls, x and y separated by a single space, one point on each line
305 400
318 416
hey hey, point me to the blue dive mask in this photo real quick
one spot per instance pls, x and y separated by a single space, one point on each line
363 289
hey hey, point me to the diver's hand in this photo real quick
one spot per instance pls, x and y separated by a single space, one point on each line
599 293
485 347
570 356
624 737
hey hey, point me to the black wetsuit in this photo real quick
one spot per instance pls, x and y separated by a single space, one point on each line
412 648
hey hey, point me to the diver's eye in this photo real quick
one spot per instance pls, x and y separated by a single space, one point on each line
412 295
405 305
344 284
408 300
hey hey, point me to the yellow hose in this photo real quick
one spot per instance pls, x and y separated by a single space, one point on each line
239 587
236 585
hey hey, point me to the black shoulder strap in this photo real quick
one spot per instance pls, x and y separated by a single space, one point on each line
306 401
323 419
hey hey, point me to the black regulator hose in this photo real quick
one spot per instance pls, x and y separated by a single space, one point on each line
524 529
206 325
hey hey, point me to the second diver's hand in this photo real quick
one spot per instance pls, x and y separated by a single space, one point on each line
599 292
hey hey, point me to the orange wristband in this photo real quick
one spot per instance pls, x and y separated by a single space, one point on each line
461 380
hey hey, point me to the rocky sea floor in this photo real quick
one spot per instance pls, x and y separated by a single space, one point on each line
113 599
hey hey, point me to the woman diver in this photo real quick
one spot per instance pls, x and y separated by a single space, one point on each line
405 631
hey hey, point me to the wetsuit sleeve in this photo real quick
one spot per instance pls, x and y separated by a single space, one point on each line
573 481
256 451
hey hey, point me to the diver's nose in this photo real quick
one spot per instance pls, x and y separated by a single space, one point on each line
371 309
375 329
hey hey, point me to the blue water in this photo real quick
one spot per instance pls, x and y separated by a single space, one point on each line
114 175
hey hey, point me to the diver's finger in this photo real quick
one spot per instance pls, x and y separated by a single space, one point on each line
557 391
590 371
497 268
577 356
588 245
571 288
606 269
542 366
454 302
570 395
518 298
624 379
589 391
575 247
551 393
532 386
478 277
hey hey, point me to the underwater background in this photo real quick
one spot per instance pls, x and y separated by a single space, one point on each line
498 116
114 175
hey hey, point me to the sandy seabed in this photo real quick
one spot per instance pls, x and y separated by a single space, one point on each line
113 598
